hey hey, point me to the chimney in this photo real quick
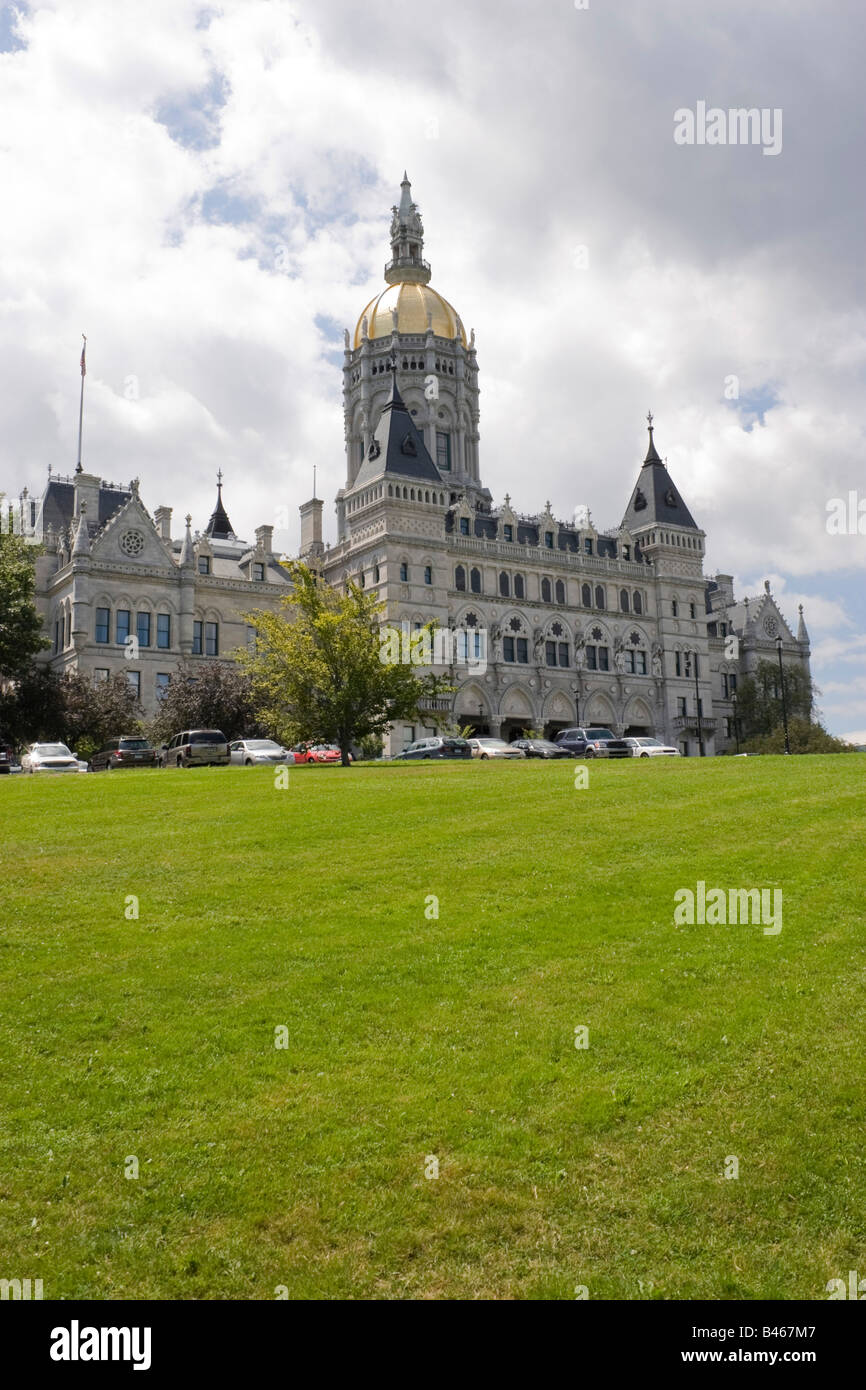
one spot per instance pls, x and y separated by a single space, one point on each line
162 517
265 539
87 487
311 527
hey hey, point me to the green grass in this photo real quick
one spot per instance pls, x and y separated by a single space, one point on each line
410 1037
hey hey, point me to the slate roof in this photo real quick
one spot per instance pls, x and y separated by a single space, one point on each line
655 500
58 506
397 447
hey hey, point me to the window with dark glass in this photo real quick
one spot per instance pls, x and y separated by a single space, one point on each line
586 596
599 596
678 663
460 578
691 610
623 600
550 653
591 659
475 581
163 631
197 629
142 628
637 603
626 552
681 705
508 648
134 678
258 572
404 572
674 608
548 539
443 452
587 544
523 650
545 591
604 658
563 653
204 564
560 591
640 663
428 574
103 616
121 625
518 586
211 639
504 587
508 531
464 525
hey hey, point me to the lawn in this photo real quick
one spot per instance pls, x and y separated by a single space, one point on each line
413 1040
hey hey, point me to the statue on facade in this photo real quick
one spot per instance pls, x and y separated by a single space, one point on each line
657 661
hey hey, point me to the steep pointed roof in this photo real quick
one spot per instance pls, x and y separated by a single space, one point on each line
219 526
397 447
802 632
655 500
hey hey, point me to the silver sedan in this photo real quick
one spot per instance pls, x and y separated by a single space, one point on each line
252 752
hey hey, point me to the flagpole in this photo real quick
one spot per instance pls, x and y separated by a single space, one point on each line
78 467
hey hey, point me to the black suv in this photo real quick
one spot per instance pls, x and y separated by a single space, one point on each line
585 743
437 748
126 750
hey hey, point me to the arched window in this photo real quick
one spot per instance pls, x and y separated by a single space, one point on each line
623 600
599 596
637 602
504 586
404 572
545 591
560 592
475 581
586 596
518 586
675 608
460 578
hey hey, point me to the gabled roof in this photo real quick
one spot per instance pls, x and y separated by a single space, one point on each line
397 447
655 501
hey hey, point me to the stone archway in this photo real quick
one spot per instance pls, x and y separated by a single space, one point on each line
472 708
516 713
639 721
599 712
559 713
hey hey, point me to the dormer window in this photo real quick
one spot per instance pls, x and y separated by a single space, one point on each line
508 532
548 539
464 525
626 552
587 544
258 572
204 564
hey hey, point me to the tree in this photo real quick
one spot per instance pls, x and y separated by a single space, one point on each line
208 695
70 708
20 625
323 672
32 707
759 698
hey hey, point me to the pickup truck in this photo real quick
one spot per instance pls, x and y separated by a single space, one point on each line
585 743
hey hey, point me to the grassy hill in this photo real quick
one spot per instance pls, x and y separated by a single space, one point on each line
412 1038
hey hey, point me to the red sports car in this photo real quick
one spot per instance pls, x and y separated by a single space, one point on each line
316 753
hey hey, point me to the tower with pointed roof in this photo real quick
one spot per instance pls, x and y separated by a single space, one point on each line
408 328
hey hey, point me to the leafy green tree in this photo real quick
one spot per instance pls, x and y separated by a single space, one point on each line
208 695
322 671
21 635
759 698
70 708
31 708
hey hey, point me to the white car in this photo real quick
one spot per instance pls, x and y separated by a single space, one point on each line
247 752
50 757
494 748
651 748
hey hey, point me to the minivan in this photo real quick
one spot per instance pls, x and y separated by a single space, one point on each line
197 748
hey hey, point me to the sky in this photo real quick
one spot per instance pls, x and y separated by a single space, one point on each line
205 191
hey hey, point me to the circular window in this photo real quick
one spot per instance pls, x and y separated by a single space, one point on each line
132 542
771 627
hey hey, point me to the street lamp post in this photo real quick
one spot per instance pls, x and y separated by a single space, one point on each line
784 701
694 659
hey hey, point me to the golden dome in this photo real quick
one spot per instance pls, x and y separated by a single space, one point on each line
413 303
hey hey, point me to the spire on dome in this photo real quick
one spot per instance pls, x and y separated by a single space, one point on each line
655 501
219 528
407 241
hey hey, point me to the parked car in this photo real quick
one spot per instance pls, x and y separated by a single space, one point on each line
249 751
640 748
494 748
50 757
317 753
540 748
585 742
196 748
439 747
7 756
126 750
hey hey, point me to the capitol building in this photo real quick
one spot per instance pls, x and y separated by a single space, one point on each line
619 628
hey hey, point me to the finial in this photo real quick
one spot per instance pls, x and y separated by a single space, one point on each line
766 586
219 478
188 520
649 416
800 607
